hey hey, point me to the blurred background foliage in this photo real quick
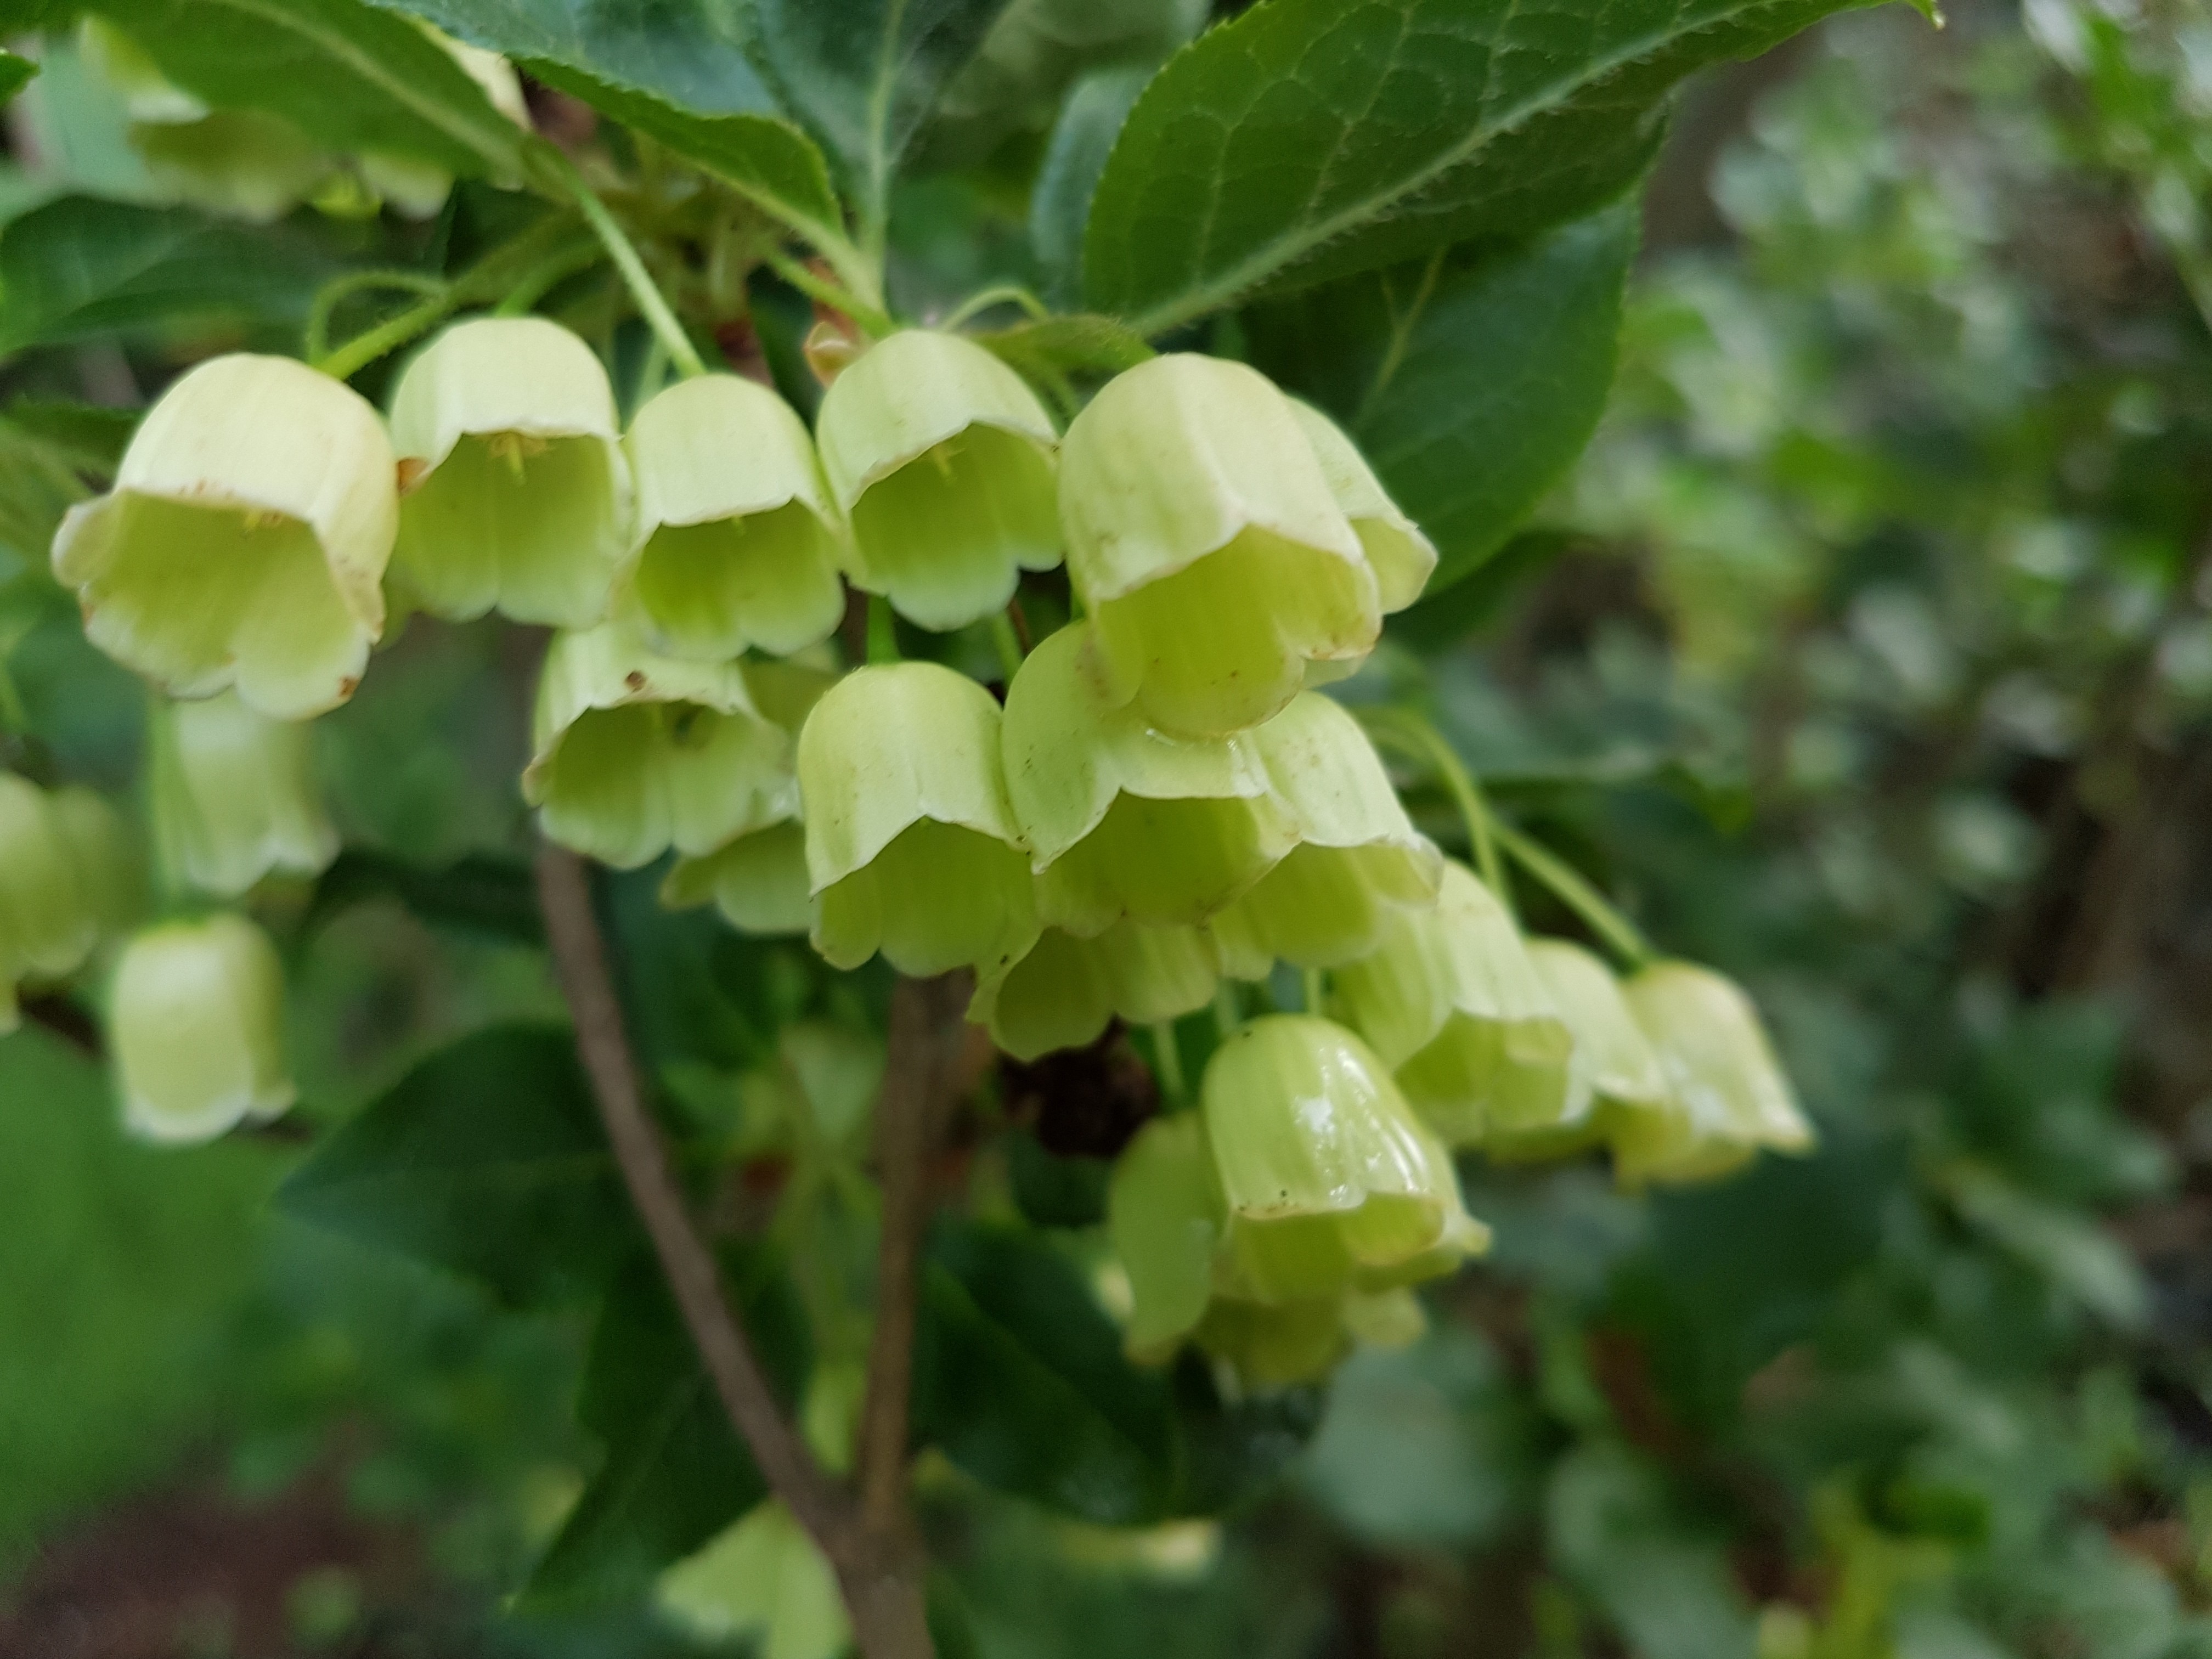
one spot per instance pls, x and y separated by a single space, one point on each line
1866 654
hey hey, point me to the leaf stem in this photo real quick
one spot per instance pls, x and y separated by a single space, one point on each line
1167 1061
882 630
651 304
1008 646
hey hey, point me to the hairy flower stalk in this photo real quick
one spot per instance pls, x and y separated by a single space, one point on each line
942 460
234 796
245 540
195 1021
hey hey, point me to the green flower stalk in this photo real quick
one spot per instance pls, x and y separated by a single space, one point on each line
1730 1096
1401 556
245 540
1164 1212
47 927
1359 859
234 796
517 494
911 846
1064 990
737 543
1470 1026
1207 546
109 865
634 753
941 458
195 1022
1125 820
1329 1180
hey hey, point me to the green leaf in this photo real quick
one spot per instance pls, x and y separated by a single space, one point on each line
681 78
39 483
15 74
77 267
675 1473
1060 203
1471 383
353 77
91 435
1308 139
487 1159
484 893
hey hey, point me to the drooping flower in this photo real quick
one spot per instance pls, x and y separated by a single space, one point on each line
1163 1210
517 493
195 1022
738 546
911 847
109 864
234 796
941 458
1403 557
244 541
1062 992
46 928
1207 546
1612 1071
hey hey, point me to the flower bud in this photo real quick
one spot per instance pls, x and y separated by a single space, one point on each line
634 753
234 795
1207 546
1062 992
109 865
195 1022
1451 1001
1401 556
1359 857
737 543
245 538
1328 1178
1730 1097
517 495
911 847
1123 820
941 458
1164 1209
46 930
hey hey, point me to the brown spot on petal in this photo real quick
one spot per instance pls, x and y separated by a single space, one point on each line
635 680
348 686
410 472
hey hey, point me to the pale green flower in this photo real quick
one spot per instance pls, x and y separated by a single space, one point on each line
1061 993
109 865
737 544
1207 546
1403 557
245 539
763 1581
1330 1181
1124 820
47 927
1163 1211
1359 859
1613 1073
941 458
195 1023
634 753
517 493
1275 1345
1453 1005
911 847
233 795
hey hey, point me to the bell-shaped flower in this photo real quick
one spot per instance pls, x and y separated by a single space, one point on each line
738 546
1275 1345
46 928
245 538
195 1021
634 753
1328 1178
941 458
1359 859
1401 556
1122 819
911 847
1613 1072
1453 1005
1164 1213
1207 546
109 865
516 495
234 796
1061 993
1730 1097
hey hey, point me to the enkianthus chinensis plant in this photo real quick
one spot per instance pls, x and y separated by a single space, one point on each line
109 865
1729 1096
1612 1071
195 1022
516 495
1066 989
245 539
1207 546
1467 1023
634 753
1399 552
911 847
1124 820
737 546
942 460
234 796
46 926
1165 1214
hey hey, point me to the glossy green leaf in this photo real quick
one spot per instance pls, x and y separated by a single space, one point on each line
1060 202
78 267
1307 139
1470 383
487 1159
674 1473
484 893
